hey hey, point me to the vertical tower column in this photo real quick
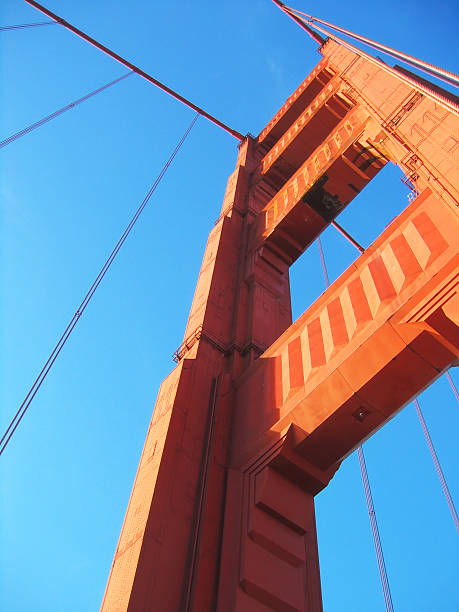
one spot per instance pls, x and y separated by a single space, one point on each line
168 553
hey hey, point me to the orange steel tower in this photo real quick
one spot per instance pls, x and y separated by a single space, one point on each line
259 412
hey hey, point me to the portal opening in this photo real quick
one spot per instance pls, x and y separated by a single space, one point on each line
369 213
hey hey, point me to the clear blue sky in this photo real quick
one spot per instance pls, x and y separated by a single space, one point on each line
67 191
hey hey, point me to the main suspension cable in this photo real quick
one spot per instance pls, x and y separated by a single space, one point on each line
23 26
437 97
300 22
444 486
81 308
44 120
135 68
439 73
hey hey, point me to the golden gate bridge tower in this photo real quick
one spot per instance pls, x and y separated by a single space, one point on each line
259 411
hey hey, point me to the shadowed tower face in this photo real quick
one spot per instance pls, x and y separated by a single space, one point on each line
259 412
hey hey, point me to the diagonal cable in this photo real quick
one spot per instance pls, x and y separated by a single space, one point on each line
60 111
81 308
23 26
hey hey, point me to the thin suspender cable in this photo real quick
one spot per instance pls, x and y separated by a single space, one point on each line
375 531
453 386
41 122
135 68
366 487
441 476
440 73
322 261
430 93
23 26
74 320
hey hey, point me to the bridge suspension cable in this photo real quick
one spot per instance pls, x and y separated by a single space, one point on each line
453 386
375 531
366 484
23 26
449 499
300 22
439 73
322 261
60 111
348 237
135 68
434 95
81 308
